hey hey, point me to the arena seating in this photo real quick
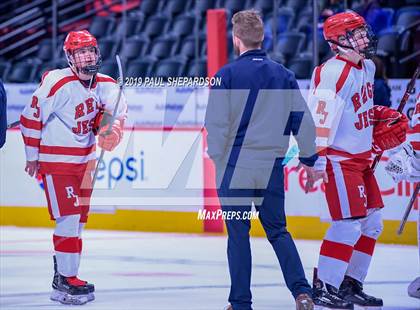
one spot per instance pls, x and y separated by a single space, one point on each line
159 37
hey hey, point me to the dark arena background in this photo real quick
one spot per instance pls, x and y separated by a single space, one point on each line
148 244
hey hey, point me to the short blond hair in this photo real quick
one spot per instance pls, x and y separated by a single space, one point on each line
248 26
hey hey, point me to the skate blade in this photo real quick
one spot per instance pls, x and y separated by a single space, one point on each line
68 299
327 308
91 297
357 307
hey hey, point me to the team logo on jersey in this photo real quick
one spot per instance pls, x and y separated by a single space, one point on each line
71 194
362 194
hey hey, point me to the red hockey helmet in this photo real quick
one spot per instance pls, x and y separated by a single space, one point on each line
87 63
353 28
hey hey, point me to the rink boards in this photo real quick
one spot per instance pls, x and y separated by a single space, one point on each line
154 181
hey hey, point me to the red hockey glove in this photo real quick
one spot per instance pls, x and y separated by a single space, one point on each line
108 140
390 128
101 119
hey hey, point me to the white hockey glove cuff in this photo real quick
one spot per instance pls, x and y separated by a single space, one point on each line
404 164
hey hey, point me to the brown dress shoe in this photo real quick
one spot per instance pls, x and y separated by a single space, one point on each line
304 302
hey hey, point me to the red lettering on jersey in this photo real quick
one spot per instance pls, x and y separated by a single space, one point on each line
78 129
359 124
371 116
367 93
79 111
321 110
35 106
369 89
417 108
364 94
365 119
89 105
356 102
85 128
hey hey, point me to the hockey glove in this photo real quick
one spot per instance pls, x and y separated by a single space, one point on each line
390 128
109 138
101 119
404 164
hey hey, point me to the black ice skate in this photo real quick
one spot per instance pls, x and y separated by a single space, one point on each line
327 296
69 291
352 290
74 280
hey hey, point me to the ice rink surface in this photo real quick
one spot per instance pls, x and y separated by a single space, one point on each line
154 271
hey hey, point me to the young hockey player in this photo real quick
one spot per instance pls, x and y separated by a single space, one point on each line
341 101
404 164
58 131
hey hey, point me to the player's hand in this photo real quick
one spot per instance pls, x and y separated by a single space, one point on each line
32 168
390 128
109 138
312 176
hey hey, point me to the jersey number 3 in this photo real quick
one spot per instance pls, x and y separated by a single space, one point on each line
35 105
321 111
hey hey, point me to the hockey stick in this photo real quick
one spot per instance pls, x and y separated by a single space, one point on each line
408 209
408 90
111 121
416 190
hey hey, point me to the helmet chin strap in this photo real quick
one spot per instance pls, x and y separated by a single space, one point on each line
346 49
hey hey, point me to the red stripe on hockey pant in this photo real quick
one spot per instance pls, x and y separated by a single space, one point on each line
30 123
66 150
336 250
31 141
365 244
66 244
80 245
331 194
47 194
343 77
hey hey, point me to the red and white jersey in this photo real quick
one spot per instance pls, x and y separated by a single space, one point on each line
57 124
413 135
341 102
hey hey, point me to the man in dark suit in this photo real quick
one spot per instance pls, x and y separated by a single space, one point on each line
249 119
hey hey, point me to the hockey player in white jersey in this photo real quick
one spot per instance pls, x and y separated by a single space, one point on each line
58 128
341 101
404 164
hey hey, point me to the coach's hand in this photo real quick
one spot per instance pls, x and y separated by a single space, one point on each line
312 176
32 168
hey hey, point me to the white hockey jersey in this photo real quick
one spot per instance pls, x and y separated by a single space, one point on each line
57 124
341 102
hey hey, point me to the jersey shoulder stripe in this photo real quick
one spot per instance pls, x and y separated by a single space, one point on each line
328 74
53 80
105 78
